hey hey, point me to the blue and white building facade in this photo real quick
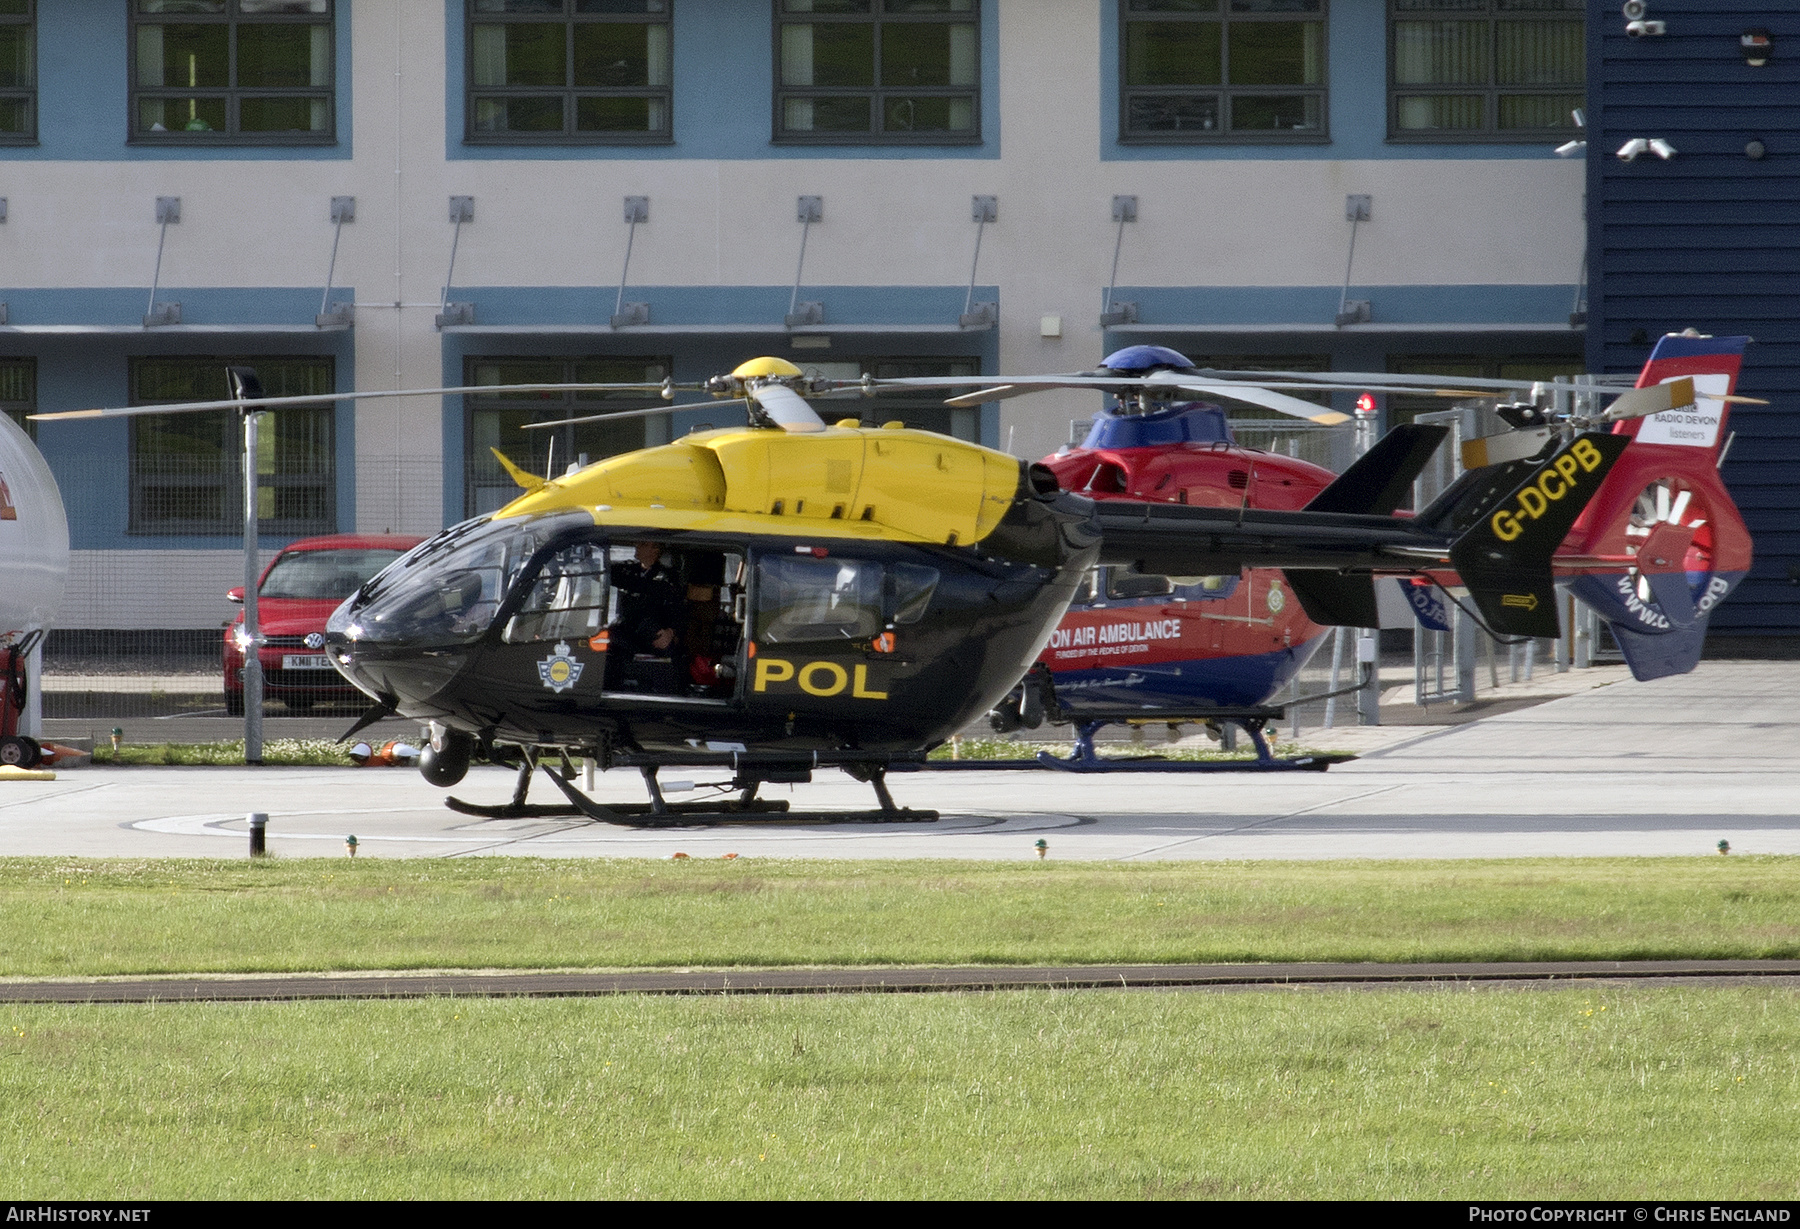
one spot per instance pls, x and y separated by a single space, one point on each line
181 175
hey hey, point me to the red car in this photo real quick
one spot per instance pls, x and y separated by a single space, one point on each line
298 591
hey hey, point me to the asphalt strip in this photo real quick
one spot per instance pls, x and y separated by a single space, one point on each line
303 986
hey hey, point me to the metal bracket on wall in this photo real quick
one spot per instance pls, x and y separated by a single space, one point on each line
637 209
982 210
341 315
168 212
462 209
1353 311
1124 209
808 209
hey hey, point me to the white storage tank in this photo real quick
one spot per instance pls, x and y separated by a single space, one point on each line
34 537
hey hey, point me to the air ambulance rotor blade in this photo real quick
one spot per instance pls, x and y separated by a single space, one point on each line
786 408
276 403
1250 395
1407 382
1260 392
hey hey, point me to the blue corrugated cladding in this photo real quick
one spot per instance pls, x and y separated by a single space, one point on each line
1709 239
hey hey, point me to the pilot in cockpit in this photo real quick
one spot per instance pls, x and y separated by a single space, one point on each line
651 606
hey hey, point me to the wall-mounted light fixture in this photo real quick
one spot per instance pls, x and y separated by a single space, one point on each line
1757 45
1629 151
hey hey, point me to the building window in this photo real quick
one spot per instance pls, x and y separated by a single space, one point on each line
578 71
187 469
18 391
234 72
1222 70
887 71
18 73
498 420
1484 70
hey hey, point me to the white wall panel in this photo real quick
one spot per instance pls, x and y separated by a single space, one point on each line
152 588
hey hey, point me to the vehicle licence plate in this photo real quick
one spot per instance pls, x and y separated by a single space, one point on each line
305 661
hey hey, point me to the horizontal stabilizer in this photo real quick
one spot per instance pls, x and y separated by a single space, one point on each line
1504 555
1333 599
1381 480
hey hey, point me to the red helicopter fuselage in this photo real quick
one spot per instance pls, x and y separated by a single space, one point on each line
1180 643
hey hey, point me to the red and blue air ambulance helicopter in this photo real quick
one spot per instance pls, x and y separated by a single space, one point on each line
1655 551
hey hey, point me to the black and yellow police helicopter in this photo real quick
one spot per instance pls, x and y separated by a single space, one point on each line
791 595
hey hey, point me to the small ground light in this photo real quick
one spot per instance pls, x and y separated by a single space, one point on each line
1724 847
350 844
118 736
1043 848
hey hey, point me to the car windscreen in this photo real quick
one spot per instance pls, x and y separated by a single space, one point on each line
324 574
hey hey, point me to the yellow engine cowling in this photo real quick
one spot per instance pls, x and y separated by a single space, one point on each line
912 485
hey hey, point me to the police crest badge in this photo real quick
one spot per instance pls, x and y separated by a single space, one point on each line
560 671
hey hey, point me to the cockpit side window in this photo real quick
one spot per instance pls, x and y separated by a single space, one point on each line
1123 584
566 600
910 588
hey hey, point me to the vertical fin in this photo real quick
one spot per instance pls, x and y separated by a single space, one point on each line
1504 555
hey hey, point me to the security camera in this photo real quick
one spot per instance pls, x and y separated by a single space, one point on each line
1639 29
1634 10
1661 148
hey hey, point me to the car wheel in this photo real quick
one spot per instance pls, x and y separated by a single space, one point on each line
17 751
234 704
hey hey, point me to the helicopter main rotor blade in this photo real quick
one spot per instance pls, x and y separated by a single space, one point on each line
1264 397
647 412
1016 386
275 403
1311 411
1000 392
1367 379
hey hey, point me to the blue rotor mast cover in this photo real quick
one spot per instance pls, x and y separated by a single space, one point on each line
1139 360
1170 423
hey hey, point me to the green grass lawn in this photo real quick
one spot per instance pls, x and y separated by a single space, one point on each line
1578 1093
324 752
64 917
293 752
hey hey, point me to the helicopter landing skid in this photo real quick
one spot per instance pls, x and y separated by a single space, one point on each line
659 813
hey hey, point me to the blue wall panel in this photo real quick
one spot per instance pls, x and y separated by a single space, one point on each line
1709 239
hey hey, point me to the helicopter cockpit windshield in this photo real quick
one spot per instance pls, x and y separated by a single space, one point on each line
447 590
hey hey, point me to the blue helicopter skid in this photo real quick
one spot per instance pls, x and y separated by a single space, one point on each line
1086 759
